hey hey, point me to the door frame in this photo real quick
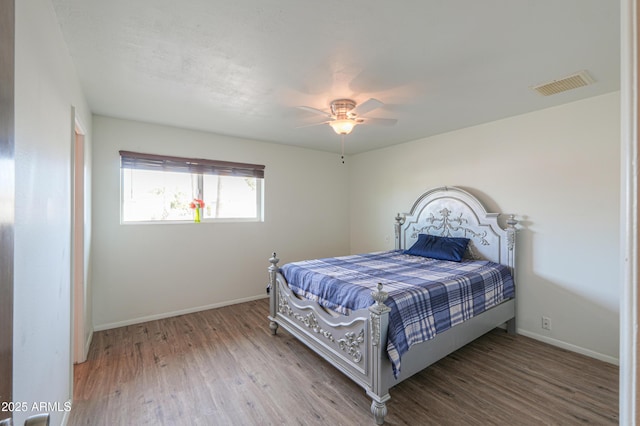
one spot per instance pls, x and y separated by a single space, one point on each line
78 231
630 220
7 195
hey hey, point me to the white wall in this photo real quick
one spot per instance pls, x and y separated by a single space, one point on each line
148 271
558 170
46 90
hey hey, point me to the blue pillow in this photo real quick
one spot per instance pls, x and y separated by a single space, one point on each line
442 248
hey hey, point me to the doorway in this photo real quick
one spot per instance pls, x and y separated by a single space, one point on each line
78 229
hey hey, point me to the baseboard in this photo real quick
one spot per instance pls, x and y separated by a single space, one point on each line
88 344
175 313
570 347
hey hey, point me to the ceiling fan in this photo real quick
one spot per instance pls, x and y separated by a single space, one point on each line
345 114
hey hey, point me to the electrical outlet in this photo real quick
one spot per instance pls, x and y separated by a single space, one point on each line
546 323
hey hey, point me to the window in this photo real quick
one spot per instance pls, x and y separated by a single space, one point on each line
160 188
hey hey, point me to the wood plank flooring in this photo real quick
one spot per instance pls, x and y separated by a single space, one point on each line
223 367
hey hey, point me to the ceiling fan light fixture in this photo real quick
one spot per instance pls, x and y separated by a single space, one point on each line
343 127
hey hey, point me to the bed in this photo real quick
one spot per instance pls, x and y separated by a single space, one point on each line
359 339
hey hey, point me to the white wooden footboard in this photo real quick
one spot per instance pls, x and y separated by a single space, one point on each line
354 344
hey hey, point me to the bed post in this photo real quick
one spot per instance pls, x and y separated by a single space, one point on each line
396 227
511 261
379 392
511 242
273 293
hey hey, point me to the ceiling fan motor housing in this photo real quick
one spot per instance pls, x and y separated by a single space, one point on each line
342 107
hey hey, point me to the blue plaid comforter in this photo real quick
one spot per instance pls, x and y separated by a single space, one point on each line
426 296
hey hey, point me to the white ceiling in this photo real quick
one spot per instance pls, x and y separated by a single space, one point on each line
242 67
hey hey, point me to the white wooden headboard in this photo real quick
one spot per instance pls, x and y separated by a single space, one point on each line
453 212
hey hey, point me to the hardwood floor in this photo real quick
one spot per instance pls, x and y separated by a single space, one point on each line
223 367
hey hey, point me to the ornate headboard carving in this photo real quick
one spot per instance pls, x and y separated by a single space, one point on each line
453 212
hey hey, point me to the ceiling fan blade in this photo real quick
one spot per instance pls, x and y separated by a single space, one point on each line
367 106
380 121
315 110
312 124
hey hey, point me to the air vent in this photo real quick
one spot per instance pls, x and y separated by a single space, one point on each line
567 83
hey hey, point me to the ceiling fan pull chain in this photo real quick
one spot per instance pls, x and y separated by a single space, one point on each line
342 157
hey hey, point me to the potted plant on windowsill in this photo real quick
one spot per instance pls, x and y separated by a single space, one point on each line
197 205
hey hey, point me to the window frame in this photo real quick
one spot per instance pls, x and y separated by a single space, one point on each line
197 168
